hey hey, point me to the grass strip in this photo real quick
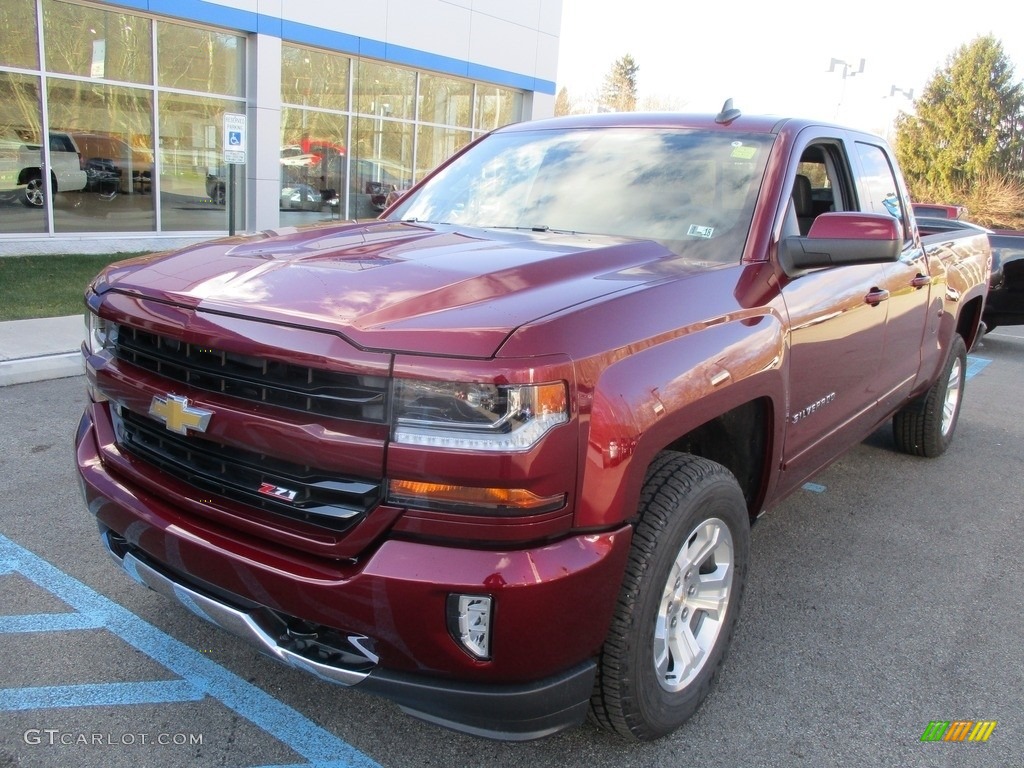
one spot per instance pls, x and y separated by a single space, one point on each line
50 285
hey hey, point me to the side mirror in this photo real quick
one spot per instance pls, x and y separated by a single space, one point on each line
840 239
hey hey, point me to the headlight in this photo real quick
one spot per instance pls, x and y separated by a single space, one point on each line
477 417
100 334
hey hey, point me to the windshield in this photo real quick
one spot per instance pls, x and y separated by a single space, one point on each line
688 189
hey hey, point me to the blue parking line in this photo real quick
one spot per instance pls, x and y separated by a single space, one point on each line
201 676
976 365
98 695
48 622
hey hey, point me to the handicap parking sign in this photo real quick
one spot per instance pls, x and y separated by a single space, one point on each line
234 138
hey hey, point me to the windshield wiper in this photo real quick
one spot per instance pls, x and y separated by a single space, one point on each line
534 228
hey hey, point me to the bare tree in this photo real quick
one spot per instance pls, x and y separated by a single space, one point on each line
563 104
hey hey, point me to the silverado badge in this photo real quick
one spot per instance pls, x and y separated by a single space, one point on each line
177 415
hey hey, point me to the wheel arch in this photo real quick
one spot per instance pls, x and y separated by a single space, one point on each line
27 174
968 322
738 439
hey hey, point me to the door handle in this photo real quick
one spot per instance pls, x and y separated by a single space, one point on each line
920 281
876 296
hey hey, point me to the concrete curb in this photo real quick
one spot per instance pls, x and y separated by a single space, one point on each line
40 349
29 369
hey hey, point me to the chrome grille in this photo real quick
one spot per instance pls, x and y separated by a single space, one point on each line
263 380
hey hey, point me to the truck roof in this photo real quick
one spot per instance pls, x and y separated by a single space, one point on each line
769 124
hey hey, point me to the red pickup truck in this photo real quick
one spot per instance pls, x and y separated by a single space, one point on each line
496 456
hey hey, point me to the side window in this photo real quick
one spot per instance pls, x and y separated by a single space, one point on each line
880 191
816 187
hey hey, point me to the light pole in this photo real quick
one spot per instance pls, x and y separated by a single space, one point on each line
893 92
909 95
848 71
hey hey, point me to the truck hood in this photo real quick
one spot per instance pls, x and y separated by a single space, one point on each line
397 286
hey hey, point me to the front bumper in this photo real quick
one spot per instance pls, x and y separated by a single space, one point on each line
385 614
509 712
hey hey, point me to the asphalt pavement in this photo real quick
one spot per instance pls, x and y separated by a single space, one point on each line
886 596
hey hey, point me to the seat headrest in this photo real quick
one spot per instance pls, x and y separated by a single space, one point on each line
802 199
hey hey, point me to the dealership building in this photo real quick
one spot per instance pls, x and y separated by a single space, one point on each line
168 121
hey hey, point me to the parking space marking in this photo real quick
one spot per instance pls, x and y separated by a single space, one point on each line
98 695
48 622
201 677
976 365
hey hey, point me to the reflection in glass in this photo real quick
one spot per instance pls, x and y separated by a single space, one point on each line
693 191
195 59
193 175
21 208
496 107
435 145
445 101
384 90
19 46
381 162
314 165
314 78
89 42
102 135
880 183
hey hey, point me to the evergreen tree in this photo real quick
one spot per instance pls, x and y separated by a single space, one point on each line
618 93
968 123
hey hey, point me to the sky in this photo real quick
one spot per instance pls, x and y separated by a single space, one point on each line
774 56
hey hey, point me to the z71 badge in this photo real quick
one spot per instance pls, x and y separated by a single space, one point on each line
277 492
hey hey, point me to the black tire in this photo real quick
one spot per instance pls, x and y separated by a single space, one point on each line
925 426
674 578
34 196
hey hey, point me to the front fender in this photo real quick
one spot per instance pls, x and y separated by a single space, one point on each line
650 399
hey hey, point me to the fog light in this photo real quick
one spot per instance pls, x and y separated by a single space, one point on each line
469 622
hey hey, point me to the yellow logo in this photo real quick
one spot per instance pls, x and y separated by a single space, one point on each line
178 416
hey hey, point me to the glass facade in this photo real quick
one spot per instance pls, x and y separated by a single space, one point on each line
354 129
126 111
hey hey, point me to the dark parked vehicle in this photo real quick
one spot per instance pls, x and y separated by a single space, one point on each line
1005 304
104 177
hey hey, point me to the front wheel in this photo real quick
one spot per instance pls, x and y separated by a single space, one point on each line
925 426
679 599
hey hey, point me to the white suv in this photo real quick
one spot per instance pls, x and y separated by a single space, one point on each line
20 167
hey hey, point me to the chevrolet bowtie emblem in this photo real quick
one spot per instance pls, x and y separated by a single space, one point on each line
177 415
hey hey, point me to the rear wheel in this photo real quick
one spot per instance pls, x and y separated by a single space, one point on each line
925 426
679 600
33 195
